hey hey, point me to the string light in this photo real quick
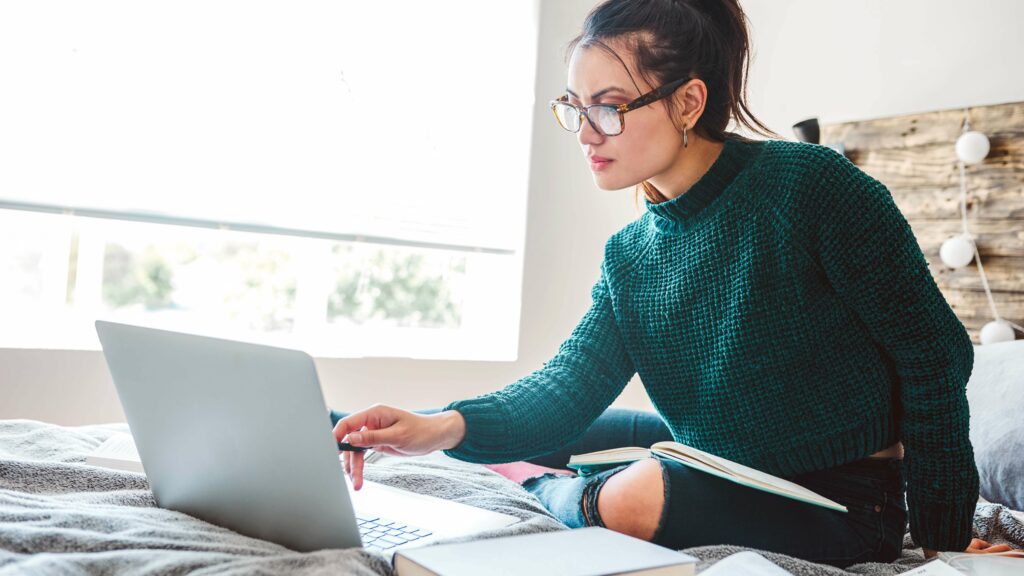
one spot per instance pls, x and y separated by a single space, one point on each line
956 252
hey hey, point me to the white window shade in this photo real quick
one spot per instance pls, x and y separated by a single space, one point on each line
403 120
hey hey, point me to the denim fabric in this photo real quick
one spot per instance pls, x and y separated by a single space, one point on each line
702 509
563 495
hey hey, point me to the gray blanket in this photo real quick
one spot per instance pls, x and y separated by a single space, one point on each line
59 516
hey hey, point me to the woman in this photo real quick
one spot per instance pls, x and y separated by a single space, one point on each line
774 302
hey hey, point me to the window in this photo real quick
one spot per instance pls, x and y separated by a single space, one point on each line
310 175
332 298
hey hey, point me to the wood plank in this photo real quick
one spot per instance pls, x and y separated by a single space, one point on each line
936 166
935 203
974 304
994 237
1000 120
974 312
1004 274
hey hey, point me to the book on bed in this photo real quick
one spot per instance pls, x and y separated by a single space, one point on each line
591 462
589 551
117 452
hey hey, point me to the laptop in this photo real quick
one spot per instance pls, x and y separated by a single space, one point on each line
238 434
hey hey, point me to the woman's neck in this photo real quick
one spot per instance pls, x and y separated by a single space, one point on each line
691 163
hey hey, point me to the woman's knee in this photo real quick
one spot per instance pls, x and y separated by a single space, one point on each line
632 501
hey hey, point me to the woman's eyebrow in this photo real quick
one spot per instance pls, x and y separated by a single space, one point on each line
597 94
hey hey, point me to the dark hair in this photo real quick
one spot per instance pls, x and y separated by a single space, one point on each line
672 39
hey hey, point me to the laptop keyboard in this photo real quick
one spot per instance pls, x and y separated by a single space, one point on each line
383 534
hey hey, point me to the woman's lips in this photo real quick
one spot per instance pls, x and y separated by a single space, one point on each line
598 163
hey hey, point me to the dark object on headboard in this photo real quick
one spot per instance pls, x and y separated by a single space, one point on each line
808 131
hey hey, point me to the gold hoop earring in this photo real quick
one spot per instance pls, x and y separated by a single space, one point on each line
686 141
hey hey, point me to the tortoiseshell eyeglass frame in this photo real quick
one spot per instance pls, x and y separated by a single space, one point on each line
645 99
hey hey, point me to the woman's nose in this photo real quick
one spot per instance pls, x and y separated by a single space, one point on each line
588 135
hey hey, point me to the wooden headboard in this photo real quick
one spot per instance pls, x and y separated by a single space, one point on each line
915 157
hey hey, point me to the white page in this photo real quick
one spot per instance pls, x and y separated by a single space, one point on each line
729 469
118 446
116 452
745 563
935 567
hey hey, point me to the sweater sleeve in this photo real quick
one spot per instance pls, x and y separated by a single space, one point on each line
875 264
555 404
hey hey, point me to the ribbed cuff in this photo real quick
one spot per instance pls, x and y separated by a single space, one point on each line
941 525
821 453
487 434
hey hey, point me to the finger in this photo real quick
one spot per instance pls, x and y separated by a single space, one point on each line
357 470
346 459
356 461
990 549
375 416
998 548
373 438
353 421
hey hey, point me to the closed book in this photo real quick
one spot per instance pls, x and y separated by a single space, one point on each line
590 551
591 462
118 452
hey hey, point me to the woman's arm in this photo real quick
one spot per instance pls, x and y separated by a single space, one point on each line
872 259
555 404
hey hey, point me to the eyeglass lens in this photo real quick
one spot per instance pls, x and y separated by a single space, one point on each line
606 118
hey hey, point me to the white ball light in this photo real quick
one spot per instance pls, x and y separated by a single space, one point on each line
997 331
972 147
957 252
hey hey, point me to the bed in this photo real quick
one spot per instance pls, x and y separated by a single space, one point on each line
60 516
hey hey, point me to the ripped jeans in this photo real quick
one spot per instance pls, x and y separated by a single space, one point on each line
701 509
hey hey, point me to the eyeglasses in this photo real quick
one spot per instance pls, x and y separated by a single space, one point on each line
608 119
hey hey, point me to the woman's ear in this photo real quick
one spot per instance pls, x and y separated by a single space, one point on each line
689 100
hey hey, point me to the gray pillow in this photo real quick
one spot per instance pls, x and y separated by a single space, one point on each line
995 393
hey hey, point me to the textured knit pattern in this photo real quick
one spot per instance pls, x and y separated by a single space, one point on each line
780 313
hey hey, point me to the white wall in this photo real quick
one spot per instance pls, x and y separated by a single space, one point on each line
843 61
838 60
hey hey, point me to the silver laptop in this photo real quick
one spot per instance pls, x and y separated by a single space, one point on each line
238 434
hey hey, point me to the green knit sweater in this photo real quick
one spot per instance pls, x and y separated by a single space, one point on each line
780 313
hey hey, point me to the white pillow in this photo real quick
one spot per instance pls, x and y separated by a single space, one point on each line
995 393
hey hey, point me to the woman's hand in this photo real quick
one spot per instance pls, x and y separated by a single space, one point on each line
977 546
397 432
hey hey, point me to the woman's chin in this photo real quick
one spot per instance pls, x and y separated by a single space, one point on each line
605 183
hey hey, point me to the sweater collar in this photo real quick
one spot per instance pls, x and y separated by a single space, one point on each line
733 158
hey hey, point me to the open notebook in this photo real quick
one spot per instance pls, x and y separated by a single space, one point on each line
591 462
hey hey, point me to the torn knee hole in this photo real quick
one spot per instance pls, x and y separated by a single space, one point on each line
586 516
589 503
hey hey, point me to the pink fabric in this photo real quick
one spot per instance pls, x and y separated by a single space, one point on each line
519 471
